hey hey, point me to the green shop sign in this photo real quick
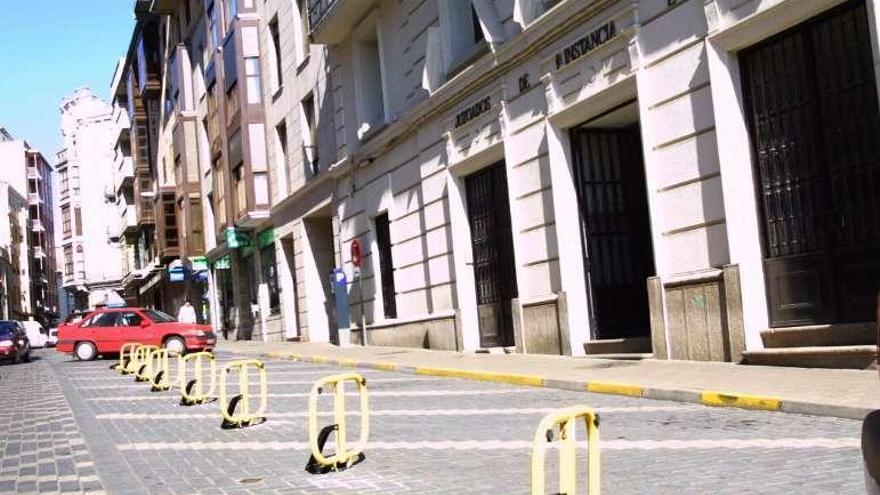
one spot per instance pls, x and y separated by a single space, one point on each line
223 263
266 238
199 263
237 239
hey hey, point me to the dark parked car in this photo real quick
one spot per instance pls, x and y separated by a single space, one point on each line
871 434
14 343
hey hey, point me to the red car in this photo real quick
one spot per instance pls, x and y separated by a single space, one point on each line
14 344
105 330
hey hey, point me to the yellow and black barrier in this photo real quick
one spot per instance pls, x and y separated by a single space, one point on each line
160 369
194 391
565 420
126 353
143 363
345 456
244 417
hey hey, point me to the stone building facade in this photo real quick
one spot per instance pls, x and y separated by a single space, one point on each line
691 178
27 174
614 156
91 264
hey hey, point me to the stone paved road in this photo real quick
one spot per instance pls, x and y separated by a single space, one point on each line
428 435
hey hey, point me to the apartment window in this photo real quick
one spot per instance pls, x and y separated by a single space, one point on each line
68 260
65 221
462 34
80 263
238 177
78 220
276 55
212 120
309 130
232 106
270 276
386 265
213 28
231 11
368 78
169 216
64 181
220 192
301 31
197 229
74 179
252 75
281 157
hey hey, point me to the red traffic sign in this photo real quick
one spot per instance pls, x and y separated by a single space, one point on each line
356 253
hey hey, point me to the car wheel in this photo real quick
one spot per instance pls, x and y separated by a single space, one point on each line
85 351
17 358
176 345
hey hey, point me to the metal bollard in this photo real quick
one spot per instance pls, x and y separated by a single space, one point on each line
344 457
245 417
565 420
193 392
141 366
126 353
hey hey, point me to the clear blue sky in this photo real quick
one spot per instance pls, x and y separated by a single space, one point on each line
49 48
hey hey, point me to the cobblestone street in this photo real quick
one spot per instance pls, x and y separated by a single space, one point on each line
76 427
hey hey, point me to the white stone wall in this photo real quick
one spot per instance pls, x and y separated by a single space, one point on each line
675 59
89 134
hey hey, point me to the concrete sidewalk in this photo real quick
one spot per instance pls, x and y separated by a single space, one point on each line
840 393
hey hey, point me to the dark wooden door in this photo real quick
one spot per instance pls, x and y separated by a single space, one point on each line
811 100
492 242
610 178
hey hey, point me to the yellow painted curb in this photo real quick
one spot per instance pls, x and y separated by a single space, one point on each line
719 399
348 363
615 389
320 359
384 366
535 381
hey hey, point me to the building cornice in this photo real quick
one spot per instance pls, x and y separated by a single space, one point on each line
552 26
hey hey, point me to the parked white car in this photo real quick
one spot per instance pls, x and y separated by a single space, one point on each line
37 335
53 337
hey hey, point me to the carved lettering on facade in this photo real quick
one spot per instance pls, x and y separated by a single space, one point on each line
585 45
473 111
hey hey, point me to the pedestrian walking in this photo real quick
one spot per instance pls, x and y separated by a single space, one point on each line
187 313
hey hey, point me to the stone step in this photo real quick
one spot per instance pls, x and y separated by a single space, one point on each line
838 334
630 345
842 357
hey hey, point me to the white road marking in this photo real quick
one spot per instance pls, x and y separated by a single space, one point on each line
375 393
401 412
494 445
271 382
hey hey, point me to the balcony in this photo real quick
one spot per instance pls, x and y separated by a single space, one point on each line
34 199
331 21
128 223
37 225
34 173
124 172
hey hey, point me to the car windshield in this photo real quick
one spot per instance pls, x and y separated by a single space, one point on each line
159 317
6 328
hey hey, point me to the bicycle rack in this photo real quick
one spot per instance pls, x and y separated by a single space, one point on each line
345 457
193 392
245 417
126 353
141 362
565 420
160 370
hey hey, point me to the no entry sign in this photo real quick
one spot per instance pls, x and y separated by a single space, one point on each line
356 253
